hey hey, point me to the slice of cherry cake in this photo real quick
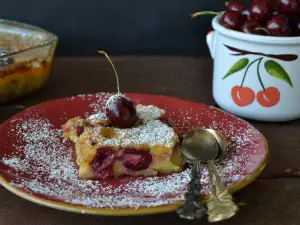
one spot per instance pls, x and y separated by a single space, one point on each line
150 146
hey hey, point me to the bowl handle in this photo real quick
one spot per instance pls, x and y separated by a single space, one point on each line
210 37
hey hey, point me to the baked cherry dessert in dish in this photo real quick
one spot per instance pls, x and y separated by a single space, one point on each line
147 148
127 139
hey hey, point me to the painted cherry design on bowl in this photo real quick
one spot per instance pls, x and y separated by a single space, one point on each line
268 97
242 96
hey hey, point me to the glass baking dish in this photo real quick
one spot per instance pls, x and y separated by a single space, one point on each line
26 54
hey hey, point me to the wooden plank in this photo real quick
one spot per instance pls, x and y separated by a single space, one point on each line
175 76
268 202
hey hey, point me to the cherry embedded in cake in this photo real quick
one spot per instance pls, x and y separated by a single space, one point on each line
148 148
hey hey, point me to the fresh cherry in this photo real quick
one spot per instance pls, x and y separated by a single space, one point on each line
102 164
232 20
242 96
268 97
271 3
295 26
236 6
136 160
289 7
246 13
251 26
278 26
121 111
260 11
297 17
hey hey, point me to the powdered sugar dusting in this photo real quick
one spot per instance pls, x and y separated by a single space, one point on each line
149 112
152 133
43 161
49 158
99 104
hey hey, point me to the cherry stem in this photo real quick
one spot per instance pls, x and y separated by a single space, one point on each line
112 65
204 13
227 4
258 73
246 71
263 29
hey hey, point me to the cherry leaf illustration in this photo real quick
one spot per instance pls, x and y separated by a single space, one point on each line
238 66
276 70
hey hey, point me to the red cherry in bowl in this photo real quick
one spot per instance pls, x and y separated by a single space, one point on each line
268 97
246 13
252 26
289 7
242 96
121 111
232 20
236 6
278 26
136 160
102 164
271 3
260 11
295 26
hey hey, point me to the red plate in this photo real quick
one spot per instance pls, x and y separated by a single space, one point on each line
38 164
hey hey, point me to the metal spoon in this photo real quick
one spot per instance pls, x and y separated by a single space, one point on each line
220 205
197 146
222 144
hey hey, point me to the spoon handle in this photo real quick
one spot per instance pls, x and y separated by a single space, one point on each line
192 207
215 180
220 205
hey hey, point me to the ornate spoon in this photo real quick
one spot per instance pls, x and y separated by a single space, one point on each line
220 205
197 146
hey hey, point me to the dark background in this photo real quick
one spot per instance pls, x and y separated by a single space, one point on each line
132 27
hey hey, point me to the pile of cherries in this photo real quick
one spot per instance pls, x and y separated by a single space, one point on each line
264 17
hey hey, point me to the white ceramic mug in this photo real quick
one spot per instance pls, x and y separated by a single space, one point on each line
255 77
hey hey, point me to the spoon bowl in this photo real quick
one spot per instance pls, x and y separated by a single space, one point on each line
199 145
222 143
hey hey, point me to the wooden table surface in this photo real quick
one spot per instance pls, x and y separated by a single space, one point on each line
273 199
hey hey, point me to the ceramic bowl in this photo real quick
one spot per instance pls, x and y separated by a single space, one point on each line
255 77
